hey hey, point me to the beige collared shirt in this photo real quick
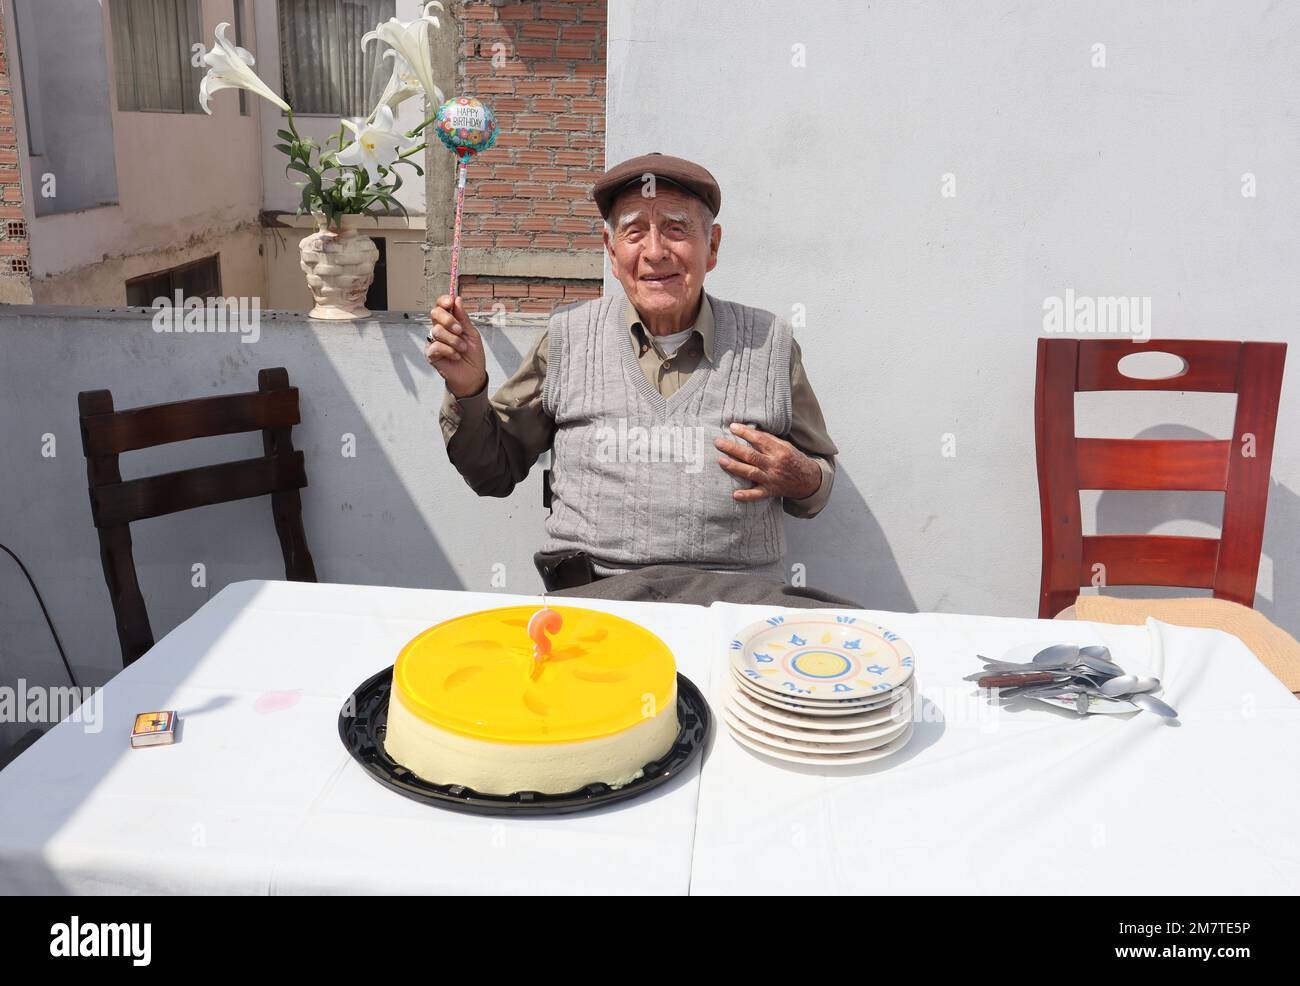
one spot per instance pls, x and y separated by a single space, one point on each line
493 442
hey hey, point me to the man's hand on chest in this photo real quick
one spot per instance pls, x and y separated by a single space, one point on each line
773 465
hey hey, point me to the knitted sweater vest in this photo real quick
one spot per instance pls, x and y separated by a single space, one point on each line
634 476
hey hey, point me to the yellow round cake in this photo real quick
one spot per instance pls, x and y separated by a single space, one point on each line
476 702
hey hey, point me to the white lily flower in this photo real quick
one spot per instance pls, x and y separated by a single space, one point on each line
374 143
402 85
229 68
410 39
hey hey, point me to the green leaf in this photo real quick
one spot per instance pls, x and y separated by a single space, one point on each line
407 160
390 203
313 176
285 135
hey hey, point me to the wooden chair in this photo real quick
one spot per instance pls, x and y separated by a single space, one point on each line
114 504
1067 464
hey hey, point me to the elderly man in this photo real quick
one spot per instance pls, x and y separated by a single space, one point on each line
681 425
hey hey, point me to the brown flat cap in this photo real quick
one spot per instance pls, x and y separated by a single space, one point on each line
690 176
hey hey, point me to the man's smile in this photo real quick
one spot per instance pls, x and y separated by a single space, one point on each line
660 278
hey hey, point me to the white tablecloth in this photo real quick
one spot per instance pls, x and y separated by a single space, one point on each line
259 795
987 800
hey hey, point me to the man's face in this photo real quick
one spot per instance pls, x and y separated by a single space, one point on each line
660 251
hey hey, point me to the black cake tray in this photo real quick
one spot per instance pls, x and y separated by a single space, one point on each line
363 721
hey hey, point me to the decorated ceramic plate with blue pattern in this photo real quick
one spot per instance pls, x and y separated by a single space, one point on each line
818 707
897 696
822 657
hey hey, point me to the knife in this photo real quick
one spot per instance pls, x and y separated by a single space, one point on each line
1013 680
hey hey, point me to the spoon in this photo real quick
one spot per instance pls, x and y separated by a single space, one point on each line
1059 691
1100 664
1004 667
1152 704
1128 684
1098 657
1054 665
1090 678
1066 653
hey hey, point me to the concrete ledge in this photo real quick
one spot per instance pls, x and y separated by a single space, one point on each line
503 320
77 313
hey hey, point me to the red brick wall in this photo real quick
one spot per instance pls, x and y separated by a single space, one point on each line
528 294
14 252
532 190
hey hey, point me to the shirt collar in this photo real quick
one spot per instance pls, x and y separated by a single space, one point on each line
703 325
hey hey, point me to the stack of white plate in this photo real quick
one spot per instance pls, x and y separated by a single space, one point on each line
820 689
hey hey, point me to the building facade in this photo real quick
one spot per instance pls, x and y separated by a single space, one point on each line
117 188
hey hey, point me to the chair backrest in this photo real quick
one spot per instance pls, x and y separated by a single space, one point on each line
115 504
1239 468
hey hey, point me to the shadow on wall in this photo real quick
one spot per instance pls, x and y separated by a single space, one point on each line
844 550
1127 512
367 523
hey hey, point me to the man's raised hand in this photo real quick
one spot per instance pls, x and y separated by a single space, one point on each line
455 349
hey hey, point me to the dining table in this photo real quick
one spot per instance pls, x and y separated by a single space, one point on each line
258 795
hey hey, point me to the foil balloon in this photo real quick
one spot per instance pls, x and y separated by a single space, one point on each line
465 126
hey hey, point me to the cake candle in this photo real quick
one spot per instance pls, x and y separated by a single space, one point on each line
544 621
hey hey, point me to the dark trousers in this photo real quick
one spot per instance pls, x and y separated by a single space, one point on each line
678 584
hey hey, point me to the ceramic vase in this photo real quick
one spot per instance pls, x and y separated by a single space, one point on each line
339 263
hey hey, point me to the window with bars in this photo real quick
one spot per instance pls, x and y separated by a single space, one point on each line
154 54
325 69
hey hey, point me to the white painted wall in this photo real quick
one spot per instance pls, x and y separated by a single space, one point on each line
922 311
